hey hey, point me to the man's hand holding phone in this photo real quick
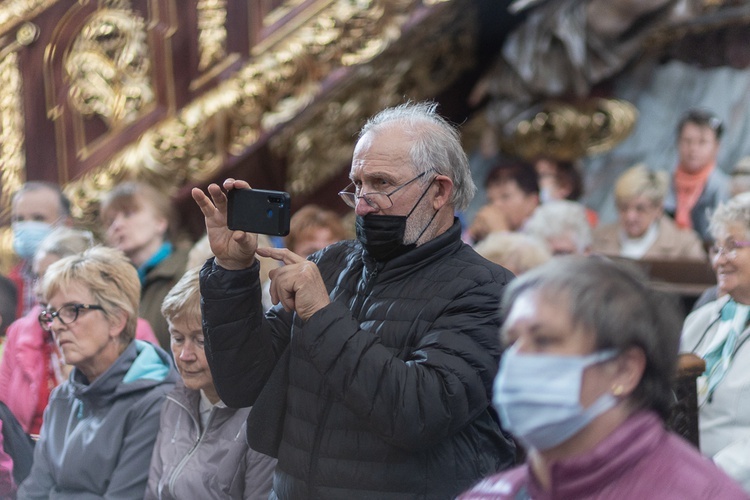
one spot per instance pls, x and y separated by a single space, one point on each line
297 284
233 249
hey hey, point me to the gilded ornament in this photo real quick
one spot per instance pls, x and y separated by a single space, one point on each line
109 67
212 32
12 143
279 90
27 34
569 130
14 12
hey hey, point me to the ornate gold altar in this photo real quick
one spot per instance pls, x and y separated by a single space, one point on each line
182 92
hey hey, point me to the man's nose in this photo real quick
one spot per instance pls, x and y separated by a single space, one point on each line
363 208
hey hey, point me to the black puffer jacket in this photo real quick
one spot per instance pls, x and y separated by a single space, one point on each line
389 386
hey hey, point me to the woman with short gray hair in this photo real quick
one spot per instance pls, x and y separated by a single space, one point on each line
718 332
100 425
585 386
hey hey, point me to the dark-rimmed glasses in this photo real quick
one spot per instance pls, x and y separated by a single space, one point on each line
729 249
67 314
377 200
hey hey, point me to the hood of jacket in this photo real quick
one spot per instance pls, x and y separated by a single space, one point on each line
141 366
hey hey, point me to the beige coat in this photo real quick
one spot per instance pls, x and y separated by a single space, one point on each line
672 242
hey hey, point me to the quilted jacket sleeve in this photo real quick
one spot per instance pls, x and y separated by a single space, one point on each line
241 345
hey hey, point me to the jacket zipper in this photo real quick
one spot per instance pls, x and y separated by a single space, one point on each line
183 462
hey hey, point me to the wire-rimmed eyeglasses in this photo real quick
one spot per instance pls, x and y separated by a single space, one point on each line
377 200
729 248
67 314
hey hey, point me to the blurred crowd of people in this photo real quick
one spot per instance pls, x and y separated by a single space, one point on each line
393 351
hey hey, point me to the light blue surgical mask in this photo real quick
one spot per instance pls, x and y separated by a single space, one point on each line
538 396
27 236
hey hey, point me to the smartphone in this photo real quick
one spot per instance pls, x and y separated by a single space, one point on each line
259 211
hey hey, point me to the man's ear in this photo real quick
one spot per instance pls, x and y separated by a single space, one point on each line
444 190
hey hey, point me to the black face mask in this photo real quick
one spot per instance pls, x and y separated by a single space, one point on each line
383 235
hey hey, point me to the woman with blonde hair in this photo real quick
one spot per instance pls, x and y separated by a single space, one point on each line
32 366
643 230
100 425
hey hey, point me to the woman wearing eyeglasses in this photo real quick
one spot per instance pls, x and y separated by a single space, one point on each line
31 365
642 230
719 332
100 425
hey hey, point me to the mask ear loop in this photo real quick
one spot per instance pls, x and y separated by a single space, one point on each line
417 204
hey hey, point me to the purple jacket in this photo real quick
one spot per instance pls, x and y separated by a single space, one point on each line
639 460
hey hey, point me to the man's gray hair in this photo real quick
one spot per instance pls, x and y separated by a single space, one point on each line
436 145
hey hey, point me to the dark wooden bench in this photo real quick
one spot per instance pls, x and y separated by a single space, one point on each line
684 417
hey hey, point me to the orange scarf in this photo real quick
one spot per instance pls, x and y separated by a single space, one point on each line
688 188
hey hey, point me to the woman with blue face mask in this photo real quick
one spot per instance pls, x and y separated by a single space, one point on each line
585 386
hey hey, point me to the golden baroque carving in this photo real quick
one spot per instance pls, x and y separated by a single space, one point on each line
319 144
212 32
109 67
570 130
12 140
280 84
189 147
14 12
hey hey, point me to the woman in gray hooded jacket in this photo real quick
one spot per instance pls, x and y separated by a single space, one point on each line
100 425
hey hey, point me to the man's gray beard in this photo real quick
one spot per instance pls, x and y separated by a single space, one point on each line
417 222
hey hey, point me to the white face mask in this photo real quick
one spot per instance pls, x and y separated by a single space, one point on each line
27 236
538 396
545 195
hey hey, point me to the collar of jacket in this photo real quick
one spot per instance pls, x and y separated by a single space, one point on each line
110 386
444 244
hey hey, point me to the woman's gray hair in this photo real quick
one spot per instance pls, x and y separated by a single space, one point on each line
64 241
517 252
613 302
559 218
436 145
735 210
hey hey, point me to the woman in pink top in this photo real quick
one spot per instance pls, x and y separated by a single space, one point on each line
585 387
31 365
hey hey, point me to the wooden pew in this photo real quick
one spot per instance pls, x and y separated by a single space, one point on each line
684 417
684 278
